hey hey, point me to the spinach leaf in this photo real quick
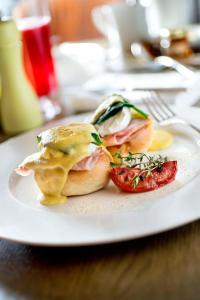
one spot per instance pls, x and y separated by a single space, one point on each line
38 138
97 141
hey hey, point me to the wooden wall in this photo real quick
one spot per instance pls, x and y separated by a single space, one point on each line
71 19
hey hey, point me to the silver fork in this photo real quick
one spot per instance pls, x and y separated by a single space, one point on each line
161 111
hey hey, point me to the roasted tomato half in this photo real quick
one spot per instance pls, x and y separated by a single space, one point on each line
123 177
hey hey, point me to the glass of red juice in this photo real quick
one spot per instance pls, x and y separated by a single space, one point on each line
34 24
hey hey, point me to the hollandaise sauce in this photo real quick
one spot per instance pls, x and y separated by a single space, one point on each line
53 171
60 149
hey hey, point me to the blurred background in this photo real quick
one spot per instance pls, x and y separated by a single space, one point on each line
71 20
68 17
104 46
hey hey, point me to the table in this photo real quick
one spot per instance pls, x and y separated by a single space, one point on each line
164 266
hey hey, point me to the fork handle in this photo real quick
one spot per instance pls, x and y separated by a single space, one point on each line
194 127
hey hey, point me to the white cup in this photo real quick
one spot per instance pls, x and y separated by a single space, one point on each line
125 23
175 13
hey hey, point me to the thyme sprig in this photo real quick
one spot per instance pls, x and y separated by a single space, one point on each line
146 163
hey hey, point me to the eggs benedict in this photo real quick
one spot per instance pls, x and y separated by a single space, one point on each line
122 126
71 161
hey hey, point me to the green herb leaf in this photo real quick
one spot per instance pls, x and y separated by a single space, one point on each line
38 138
136 180
97 141
139 111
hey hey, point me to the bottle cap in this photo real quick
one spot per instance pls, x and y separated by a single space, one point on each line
9 33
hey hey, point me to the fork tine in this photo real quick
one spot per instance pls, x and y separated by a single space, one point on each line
153 101
170 111
158 106
149 108
152 107
163 106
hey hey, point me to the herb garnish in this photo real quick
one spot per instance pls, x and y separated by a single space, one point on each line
38 138
97 141
145 163
116 107
136 180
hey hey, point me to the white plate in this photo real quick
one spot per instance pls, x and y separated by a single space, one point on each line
105 216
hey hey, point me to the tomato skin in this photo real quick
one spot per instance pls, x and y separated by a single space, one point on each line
123 177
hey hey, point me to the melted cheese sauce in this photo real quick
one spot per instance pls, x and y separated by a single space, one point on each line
61 148
51 168
161 140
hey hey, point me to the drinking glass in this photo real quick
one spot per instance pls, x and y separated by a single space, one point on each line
33 20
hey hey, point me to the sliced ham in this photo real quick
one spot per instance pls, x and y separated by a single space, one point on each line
127 134
23 171
85 164
89 162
